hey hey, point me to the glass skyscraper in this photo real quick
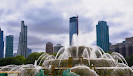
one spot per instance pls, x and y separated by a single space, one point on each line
73 28
22 47
9 46
29 51
1 44
102 31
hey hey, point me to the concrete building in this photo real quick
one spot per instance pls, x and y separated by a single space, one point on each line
102 31
49 48
22 47
29 51
125 48
1 44
9 46
73 28
121 49
57 48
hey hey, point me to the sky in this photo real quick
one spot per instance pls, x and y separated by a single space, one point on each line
48 20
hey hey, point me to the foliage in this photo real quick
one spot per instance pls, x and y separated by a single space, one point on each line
130 60
6 61
54 54
19 60
109 52
32 57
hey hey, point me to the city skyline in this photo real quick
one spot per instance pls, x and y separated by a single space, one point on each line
47 26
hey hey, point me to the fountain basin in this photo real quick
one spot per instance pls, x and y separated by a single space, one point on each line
75 61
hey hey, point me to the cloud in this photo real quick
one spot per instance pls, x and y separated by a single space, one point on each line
48 20
119 37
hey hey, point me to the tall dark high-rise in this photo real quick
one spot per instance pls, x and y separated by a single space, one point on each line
49 48
22 47
73 28
1 44
9 46
102 31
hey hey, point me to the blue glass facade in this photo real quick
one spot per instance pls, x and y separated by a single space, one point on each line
9 46
29 51
73 28
103 35
1 44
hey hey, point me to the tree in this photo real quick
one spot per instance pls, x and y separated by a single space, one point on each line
6 61
109 52
19 60
130 60
32 57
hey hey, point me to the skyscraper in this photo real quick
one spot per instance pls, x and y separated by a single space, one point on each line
1 44
29 51
9 46
102 31
22 47
73 28
57 48
49 48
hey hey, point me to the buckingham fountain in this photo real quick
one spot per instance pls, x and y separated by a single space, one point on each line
76 60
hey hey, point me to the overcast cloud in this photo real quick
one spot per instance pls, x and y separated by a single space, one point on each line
48 20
